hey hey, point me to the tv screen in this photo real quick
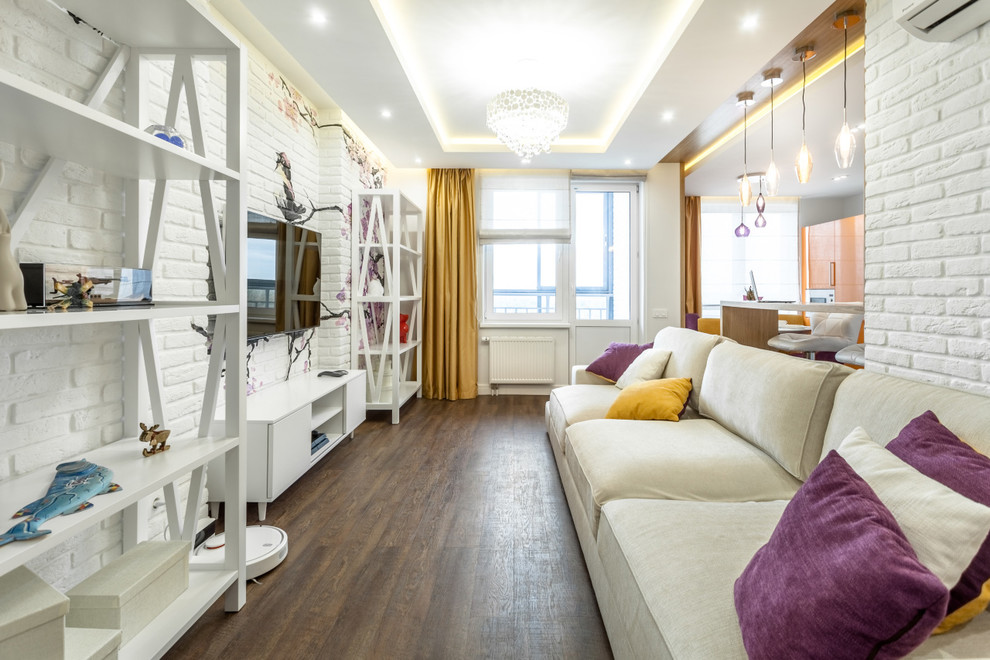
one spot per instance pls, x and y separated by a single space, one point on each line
283 277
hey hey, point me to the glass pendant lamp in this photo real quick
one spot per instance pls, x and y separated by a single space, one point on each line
803 164
845 143
745 99
771 79
742 231
761 206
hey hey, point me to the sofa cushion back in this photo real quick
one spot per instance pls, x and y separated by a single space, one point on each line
883 405
688 356
777 402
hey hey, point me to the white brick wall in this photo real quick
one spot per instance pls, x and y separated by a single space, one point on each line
927 209
60 388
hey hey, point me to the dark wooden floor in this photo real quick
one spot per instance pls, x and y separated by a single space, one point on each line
446 536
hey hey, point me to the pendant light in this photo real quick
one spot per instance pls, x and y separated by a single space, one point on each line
771 79
845 143
761 205
742 231
803 164
745 99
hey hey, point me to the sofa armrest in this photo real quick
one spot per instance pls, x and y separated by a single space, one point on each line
580 376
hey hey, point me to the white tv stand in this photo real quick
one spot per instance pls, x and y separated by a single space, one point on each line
279 421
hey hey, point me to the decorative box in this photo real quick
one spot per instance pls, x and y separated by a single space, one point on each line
111 285
129 592
91 643
32 617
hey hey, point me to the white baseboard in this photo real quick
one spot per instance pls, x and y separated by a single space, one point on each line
486 389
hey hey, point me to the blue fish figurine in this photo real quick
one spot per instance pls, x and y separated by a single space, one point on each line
74 484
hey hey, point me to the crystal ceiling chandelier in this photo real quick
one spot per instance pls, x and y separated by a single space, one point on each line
527 120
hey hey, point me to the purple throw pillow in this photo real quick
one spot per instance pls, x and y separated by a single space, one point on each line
616 359
837 579
936 452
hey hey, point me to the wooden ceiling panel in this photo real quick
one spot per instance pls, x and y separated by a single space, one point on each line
820 35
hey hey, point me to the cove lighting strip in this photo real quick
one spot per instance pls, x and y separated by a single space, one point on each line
779 99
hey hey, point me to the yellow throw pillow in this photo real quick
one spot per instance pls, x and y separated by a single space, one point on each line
652 399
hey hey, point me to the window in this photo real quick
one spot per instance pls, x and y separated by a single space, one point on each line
524 278
771 253
532 225
602 253
524 222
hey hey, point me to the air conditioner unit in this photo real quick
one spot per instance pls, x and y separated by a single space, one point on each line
941 20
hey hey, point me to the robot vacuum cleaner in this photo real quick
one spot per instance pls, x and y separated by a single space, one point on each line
266 547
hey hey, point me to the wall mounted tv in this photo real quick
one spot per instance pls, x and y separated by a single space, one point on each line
283 276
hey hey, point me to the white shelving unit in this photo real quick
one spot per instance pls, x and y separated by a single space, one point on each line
66 130
387 239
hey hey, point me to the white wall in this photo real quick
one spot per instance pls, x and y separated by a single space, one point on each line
412 183
60 387
927 204
661 257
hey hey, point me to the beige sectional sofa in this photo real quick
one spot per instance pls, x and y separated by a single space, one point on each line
669 514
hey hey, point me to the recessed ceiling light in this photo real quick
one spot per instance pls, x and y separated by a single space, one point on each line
840 177
317 16
419 161
386 113
524 161
750 22
628 161
668 115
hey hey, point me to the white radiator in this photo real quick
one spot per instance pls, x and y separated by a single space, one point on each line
520 360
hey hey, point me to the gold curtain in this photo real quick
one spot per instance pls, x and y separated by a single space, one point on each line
691 256
450 330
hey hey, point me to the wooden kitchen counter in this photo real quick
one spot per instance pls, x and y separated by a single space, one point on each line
753 323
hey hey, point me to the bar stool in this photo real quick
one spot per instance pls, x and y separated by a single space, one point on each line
854 355
830 331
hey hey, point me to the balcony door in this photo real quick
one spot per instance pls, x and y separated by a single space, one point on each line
604 284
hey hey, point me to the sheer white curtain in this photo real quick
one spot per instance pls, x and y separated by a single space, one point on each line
771 252
524 207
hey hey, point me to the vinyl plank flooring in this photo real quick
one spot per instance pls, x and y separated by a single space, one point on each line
446 536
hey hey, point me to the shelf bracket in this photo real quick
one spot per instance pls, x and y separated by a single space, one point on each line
42 187
152 368
183 70
217 352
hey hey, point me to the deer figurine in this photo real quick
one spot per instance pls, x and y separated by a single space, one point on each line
155 439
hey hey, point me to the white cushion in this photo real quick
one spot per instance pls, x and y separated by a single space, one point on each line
648 365
674 589
689 351
576 403
697 459
893 402
779 403
944 528
671 566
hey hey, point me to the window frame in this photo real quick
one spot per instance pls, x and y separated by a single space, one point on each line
566 293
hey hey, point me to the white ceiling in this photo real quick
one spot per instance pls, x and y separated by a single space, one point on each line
621 65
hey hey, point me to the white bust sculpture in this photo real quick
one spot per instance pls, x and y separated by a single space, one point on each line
11 279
